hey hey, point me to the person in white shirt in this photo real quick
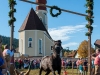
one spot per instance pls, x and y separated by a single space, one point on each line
7 53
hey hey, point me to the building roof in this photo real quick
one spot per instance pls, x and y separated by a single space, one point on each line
97 42
72 54
32 22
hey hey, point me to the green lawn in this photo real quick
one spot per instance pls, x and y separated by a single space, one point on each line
36 72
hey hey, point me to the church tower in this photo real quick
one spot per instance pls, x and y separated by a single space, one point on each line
41 11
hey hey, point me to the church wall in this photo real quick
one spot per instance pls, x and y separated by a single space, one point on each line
40 36
48 44
30 50
21 42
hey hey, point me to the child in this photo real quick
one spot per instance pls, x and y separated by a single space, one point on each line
64 71
81 68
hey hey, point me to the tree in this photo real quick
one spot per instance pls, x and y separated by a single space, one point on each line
83 49
64 51
66 54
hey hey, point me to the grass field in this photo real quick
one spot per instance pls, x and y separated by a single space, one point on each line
36 72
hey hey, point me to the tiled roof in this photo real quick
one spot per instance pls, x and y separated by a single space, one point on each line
32 22
72 54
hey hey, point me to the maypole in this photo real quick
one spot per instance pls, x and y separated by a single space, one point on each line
12 3
89 5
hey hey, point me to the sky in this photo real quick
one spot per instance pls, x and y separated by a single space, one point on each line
67 27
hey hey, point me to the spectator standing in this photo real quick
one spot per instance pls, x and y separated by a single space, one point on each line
85 67
81 68
16 64
93 67
7 53
77 63
97 62
3 65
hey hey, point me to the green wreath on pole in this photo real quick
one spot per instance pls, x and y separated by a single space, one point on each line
12 3
89 5
57 8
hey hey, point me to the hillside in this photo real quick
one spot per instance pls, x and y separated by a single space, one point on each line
6 40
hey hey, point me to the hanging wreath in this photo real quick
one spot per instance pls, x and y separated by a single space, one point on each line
57 8
89 5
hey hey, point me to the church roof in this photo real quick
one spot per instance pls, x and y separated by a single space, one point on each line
32 22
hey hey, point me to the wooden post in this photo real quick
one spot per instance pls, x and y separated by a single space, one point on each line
72 67
12 67
89 39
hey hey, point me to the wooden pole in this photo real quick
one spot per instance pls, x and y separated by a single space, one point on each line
72 67
89 42
51 6
12 29
11 44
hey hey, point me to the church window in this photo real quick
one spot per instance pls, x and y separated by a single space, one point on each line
30 42
44 13
40 46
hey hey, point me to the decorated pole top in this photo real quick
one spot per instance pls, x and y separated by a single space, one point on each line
41 2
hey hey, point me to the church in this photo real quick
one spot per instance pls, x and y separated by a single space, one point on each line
34 39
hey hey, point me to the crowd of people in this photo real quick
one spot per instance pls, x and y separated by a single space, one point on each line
25 63
80 64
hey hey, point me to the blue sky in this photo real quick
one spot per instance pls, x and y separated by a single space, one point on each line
69 28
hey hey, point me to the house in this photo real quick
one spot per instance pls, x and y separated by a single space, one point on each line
97 43
72 54
34 38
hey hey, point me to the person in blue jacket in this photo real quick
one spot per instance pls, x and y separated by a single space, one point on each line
2 70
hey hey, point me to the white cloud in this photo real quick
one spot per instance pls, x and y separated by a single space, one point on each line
64 32
70 44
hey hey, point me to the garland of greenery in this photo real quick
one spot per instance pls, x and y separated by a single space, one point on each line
12 3
57 8
89 5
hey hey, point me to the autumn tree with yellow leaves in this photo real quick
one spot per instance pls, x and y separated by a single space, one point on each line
83 49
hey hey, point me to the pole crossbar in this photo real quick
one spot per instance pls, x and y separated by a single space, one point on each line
51 7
